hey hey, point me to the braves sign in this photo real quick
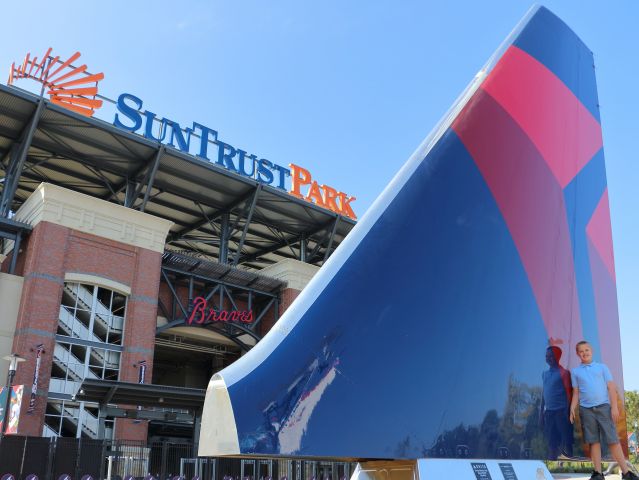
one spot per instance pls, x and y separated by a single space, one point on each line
202 314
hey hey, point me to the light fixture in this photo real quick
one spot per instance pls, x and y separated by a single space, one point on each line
14 359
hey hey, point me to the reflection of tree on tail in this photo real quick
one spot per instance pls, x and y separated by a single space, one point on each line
515 435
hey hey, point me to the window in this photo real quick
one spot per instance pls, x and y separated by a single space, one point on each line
89 345
62 417
92 313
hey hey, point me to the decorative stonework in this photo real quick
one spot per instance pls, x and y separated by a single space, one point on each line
87 214
297 274
99 281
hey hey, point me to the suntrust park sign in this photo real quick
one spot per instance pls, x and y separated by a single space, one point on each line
73 88
133 118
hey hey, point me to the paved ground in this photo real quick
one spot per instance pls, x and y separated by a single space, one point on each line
582 476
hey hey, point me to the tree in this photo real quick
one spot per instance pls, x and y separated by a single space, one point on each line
632 412
632 409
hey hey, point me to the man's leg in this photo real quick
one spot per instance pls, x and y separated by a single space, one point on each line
595 456
566 434
617 454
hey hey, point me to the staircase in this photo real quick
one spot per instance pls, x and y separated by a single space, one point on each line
103 315
68 362
90 423
93 323
73 327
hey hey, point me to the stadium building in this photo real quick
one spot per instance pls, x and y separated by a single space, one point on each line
138 257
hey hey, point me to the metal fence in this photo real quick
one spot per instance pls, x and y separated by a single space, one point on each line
39 458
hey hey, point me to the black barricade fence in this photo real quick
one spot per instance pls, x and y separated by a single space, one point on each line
62 458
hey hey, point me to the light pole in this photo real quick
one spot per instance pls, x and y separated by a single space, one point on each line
14 360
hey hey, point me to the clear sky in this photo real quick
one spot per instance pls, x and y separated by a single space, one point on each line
347 89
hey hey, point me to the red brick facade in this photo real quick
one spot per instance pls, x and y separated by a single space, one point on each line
53 251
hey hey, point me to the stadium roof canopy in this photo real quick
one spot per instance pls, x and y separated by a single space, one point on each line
206 202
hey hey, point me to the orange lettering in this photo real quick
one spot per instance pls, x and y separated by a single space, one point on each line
299 176
329 198
315 195
346 205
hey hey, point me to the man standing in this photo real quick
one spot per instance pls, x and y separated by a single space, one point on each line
555 405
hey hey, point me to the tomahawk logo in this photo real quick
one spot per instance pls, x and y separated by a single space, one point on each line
71 87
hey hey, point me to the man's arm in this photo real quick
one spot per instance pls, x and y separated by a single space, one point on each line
566 379
573 404
612 394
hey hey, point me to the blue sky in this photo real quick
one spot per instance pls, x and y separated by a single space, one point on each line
346 89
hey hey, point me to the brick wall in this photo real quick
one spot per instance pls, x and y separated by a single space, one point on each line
53 251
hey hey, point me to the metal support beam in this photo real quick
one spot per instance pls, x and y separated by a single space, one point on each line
249 218
102 420
303 247
224 238
330 242
230 296
175 295
151 177
291 240
150 166
129 193
16 252
208 219
148 414
263 312
17 161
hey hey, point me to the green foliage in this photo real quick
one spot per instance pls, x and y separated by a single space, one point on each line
632 416
632 409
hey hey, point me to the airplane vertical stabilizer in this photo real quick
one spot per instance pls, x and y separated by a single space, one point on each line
426 333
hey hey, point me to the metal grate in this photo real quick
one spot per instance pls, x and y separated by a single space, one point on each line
218 271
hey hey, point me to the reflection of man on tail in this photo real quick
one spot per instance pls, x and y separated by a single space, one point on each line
555 405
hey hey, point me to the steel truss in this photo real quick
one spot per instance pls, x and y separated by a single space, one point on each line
247 224
222 286
10 230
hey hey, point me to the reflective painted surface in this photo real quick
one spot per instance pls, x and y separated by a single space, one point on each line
427 333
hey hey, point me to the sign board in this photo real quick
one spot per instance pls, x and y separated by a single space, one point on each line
482 469
75 89
13 417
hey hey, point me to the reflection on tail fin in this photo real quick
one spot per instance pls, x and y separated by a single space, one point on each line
423 330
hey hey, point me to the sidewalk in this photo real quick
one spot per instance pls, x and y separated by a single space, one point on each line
582 476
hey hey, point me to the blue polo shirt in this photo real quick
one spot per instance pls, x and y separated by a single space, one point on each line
592 381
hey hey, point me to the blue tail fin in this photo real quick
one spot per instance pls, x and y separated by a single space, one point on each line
427 333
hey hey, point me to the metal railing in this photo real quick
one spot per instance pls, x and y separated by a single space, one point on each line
50 458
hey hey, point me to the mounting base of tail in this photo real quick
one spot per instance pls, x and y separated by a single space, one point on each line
459 469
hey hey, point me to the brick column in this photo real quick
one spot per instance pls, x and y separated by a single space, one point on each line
139 334
296 274
38 317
